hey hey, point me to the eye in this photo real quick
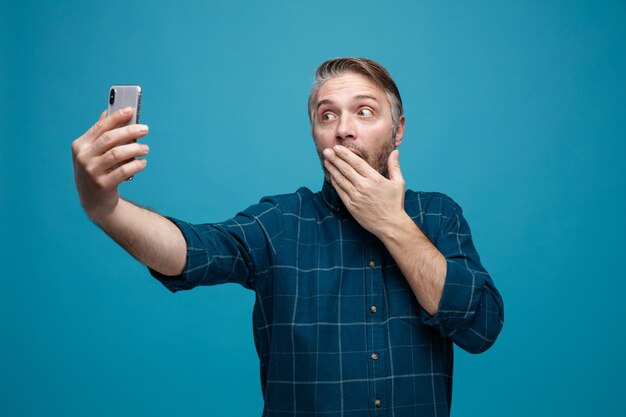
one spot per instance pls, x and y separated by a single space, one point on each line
328 116
366 112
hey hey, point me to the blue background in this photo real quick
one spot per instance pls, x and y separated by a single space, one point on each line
515 109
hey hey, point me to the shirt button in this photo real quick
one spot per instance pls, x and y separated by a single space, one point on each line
378 403
371 264
375 356
373 309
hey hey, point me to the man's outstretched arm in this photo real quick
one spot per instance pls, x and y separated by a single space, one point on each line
103 158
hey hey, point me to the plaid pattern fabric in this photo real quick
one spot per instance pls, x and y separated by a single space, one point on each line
337 328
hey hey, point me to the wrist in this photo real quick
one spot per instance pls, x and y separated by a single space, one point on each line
396 227
104 213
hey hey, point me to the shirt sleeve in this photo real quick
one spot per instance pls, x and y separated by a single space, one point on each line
471 311
234 251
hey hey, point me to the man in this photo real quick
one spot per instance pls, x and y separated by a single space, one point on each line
361 288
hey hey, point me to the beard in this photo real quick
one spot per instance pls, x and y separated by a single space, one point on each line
377 159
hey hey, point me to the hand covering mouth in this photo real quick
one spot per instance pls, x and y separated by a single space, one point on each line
356 152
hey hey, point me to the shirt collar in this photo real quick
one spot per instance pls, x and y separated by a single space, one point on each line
333 201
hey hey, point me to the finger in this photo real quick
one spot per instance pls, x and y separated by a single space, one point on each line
335 174
77 144
393 165
123 172
117 137
107 123
119 155
356 162
346 169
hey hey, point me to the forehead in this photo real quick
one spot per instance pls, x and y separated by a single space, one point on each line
348 85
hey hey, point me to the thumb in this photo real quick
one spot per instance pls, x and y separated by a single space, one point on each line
393 165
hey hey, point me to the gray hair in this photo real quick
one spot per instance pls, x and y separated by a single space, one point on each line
371 69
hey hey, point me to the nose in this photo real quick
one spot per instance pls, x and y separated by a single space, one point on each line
346 128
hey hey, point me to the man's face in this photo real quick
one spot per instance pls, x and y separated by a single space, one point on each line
352 111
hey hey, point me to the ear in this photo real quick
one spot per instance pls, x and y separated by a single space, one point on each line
399 132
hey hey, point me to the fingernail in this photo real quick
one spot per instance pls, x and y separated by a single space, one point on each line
327 152
127 110
142 128
146 148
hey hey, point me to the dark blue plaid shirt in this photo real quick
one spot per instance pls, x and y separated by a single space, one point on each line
337 328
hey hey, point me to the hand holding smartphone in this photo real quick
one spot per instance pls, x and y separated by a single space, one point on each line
121 96
107 154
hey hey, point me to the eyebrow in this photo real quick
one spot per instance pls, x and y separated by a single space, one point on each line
355 98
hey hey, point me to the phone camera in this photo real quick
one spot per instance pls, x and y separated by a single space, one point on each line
112 96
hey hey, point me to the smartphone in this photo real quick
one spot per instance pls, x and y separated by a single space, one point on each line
121 96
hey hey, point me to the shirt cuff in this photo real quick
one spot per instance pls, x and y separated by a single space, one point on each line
459 299
182 281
